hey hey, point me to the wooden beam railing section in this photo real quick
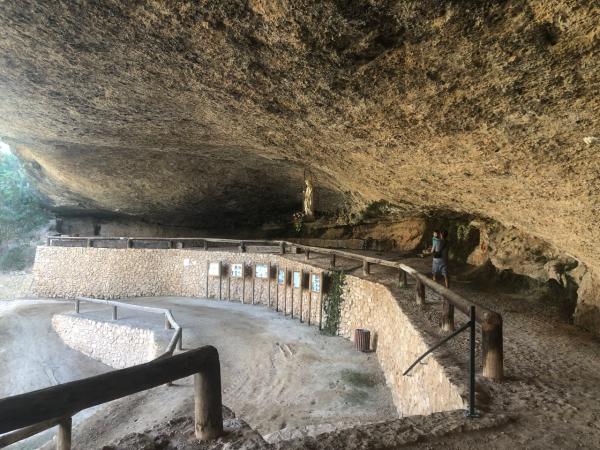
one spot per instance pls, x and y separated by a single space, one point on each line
489 321
170 322
24 415
65 423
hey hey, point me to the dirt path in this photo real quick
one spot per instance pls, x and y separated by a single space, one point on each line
278 375
551 391
32 355
552 386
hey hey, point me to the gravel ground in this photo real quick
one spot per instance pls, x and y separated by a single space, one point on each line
552 368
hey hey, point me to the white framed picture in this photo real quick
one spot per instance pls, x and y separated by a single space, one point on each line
237 270
297 279
262 271
281 277
214 269
315 282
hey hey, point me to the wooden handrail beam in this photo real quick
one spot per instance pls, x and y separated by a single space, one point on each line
66 399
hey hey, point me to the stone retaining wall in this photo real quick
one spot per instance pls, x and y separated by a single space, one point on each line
398 343
116 273
117 344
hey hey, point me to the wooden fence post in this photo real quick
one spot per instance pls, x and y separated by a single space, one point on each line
366 268
285 283
301 295
402 278
420 292
243 282
277 289
63 437
207 268
208 411
77 306
492 347
332 260
269 285
447 316
321 301
114 313
306 254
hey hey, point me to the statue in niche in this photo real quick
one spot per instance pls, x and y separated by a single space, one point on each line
309 209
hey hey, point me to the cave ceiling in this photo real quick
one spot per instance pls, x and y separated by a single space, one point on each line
208 111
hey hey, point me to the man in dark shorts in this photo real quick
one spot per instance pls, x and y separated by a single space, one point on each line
440 258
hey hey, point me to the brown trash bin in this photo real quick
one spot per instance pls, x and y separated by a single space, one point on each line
362 340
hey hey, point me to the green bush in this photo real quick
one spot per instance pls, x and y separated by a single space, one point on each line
21 211
17 258
333 303
21 215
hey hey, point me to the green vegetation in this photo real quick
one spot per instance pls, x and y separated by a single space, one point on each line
21 215
298 220
333 303
358 379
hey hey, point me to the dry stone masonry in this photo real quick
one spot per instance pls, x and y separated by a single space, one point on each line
115 273
118 344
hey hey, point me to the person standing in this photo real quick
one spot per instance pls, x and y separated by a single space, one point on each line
440 258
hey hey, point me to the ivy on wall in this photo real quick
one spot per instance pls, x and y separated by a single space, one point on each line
333 303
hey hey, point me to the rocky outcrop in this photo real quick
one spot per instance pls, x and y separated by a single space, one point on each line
508 248
587 313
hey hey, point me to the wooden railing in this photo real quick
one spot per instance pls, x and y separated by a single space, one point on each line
489 321
64 424
170 322
24 415
131 242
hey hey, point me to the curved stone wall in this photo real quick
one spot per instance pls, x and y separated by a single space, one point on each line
115 273
117 344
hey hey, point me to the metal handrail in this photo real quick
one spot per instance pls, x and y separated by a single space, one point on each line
27 414
470 325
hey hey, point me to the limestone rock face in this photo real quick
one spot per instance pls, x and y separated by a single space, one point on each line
199 112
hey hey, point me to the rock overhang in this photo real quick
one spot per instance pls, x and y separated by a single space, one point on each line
211 112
